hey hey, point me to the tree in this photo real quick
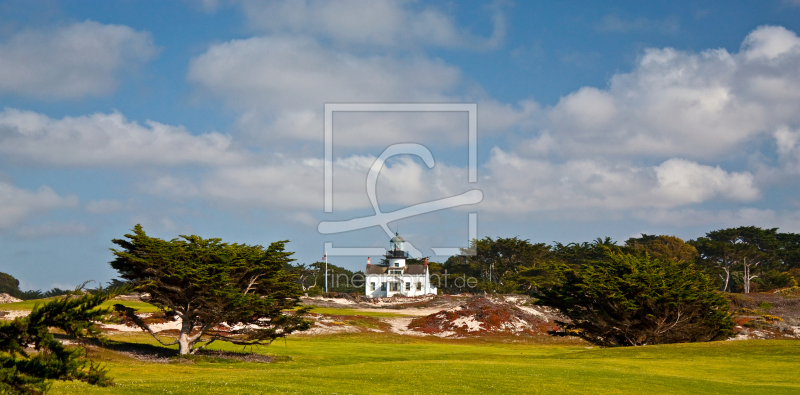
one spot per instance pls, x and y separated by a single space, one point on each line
24 372
745 246
312 277
306 275
502 264
663 248
627 300
9 285
577 254
206 283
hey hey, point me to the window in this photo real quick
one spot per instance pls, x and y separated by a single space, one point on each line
394 287
395 272
371 286
408 286
383 286
397 264
419 285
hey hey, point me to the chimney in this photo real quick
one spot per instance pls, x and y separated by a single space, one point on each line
369 262
426 261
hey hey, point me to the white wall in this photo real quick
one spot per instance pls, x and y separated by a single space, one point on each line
379 279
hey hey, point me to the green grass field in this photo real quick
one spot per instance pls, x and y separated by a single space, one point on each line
383 363
387 363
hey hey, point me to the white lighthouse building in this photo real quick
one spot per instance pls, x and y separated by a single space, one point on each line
394 277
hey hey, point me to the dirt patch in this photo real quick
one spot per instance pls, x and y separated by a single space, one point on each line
437 302
485 316
10 315
401 326
766 315
6 298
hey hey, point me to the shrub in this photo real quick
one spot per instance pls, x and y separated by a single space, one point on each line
625 300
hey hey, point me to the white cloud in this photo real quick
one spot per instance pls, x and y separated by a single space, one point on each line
677 103
17 204
105 140
770 42
788 146
512 185
297 184
677 109
296 72
516 185
279 85
283 82
684 181
74 61
384 23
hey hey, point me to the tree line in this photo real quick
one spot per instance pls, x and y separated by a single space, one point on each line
744 259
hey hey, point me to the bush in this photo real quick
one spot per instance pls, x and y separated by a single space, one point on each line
624 300
31 373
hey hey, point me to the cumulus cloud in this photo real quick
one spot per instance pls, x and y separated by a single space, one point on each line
280 84
384 23
677 103
648 143
515 184
512 185
74 61
297 184
17 204
106 140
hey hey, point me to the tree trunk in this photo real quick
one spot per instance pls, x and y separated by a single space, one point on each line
746 277
185 346
727 279
184 341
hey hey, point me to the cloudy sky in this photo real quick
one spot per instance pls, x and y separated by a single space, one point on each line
207 118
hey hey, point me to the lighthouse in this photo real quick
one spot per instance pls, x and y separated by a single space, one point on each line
392 276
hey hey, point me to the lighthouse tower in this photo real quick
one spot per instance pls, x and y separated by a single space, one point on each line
396 256
394 277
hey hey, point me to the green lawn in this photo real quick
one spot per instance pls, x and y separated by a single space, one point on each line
141 307
384 363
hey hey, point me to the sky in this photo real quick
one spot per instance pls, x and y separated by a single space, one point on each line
594 119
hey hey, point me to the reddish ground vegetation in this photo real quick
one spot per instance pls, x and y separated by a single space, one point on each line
486 316
766 315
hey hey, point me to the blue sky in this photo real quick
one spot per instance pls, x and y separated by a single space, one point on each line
595 119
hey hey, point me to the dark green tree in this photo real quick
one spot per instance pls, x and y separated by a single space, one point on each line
577 254
311 278
23 371
9 285
502 265
663 247
205 283
629 300
745 248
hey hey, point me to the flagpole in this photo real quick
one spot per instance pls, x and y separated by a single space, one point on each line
326 270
